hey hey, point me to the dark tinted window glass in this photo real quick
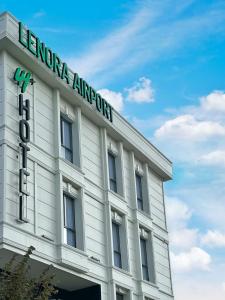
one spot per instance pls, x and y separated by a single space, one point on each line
66 139
116 245
70 217
144 259
67 134
71 239
68 155
69 220
112 172
119 296
139 191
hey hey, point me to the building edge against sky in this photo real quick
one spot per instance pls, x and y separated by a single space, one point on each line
77 181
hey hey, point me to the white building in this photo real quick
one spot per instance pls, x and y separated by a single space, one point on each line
77 181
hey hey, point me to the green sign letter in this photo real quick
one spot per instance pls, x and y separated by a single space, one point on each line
21 35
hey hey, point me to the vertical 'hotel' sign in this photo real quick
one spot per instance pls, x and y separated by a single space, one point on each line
23 78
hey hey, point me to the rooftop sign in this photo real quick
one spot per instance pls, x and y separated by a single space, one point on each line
30 41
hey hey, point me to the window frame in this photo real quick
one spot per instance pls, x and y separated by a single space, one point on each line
112 180
121 296
140 200
144 260
66 228
64 119
116 226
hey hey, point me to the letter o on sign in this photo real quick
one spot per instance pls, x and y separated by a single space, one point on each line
99 102
24 131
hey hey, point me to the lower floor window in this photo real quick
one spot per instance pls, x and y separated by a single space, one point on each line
69 220
119 296
144 259
116 245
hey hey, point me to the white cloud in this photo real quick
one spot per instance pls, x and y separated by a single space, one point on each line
183 238
199 286
178 215
214 102
195 259
223 286
198 130
214 238
205 195
187 127
216 158
115 99
142 91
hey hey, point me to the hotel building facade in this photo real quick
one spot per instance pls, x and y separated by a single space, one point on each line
77 181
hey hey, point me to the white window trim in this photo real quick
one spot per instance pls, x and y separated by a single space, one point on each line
126 293
139 170
65 194
120 219
71 122
77 194
116 170
143 173
117 152
116 217
147 235
73 115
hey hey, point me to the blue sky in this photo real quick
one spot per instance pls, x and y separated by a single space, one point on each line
162 65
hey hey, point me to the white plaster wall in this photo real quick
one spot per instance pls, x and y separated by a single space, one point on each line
157 199
162 265
95 229
91 152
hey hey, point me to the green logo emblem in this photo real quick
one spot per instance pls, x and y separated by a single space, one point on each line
23 78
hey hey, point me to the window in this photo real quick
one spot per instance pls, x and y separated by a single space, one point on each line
112 172
147 257
122 293
119 240
144 259
139 192
119 296
69 220
66 139
73 232
116 245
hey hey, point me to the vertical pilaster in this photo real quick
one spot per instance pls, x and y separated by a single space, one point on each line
126 243
59 208
107 209
133 183
4 146
35 200
121 180
104 155
57 134
136 224
58 176
79 137
34 87
83 226
146 190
